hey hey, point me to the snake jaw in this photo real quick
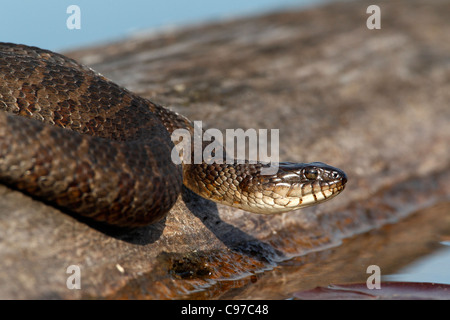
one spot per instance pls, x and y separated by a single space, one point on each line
317 182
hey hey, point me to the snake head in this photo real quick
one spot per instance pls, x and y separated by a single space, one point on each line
294 186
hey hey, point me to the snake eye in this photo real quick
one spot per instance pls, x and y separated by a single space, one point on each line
311 173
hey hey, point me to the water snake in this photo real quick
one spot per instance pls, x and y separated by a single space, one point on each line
78 141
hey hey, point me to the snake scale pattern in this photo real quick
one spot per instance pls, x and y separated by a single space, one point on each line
76 140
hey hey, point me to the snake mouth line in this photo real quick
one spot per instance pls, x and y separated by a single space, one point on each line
308 194
321 194
329 192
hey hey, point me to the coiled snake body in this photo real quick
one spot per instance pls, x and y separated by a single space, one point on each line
73 138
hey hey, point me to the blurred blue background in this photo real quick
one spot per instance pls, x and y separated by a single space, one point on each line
43 23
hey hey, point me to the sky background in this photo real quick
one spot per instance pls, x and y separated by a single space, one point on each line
43 23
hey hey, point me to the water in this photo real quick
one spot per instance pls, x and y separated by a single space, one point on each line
434 267
415 249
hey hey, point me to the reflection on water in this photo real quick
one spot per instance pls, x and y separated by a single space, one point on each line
434 267
417 246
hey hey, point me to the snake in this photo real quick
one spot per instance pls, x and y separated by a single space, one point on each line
72 138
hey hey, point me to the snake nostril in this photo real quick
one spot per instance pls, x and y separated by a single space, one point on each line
336 175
